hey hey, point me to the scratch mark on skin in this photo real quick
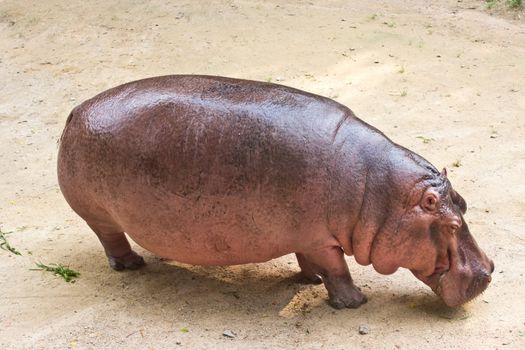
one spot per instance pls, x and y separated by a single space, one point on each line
337 127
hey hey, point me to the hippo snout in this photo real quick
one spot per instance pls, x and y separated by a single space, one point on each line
477 285
459 286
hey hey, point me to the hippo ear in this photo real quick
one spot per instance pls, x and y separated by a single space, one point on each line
444 172
459 201
429 202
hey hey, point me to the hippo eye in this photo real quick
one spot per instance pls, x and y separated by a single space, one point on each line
454 228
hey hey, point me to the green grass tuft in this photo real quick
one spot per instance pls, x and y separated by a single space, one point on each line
60 270
4 244
490 3
514 3
425 139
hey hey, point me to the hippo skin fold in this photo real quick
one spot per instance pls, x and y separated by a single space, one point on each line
209 170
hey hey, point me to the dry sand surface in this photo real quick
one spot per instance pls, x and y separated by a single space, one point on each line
443 78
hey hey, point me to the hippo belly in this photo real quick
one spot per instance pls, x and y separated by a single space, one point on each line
212 230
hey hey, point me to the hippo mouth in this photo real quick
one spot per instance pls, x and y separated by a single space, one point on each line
437 287
456 288
435 280
438 278
441 270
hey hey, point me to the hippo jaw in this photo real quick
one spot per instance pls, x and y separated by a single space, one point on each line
468 274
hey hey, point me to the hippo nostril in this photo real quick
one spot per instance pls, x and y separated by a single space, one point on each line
485 276
491 266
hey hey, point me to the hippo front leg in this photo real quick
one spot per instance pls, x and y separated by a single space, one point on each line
329 263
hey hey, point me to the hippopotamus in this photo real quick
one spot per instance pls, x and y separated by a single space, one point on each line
209 170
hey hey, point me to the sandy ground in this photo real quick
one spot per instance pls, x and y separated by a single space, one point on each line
442 71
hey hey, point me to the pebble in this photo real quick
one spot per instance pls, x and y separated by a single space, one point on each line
228 333
364 329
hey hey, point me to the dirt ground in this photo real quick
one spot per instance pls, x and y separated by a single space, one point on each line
443 78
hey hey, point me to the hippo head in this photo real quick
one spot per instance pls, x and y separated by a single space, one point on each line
433 241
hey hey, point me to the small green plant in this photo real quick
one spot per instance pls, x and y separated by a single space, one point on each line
457 163
4 244
425 139
491 3
514 3
59 270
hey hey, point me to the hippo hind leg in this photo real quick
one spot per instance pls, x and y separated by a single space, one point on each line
329 263
119 252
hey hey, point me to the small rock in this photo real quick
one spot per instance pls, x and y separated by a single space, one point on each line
228 333
364 329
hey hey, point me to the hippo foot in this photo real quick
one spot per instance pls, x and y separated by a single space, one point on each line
348 296
130 261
